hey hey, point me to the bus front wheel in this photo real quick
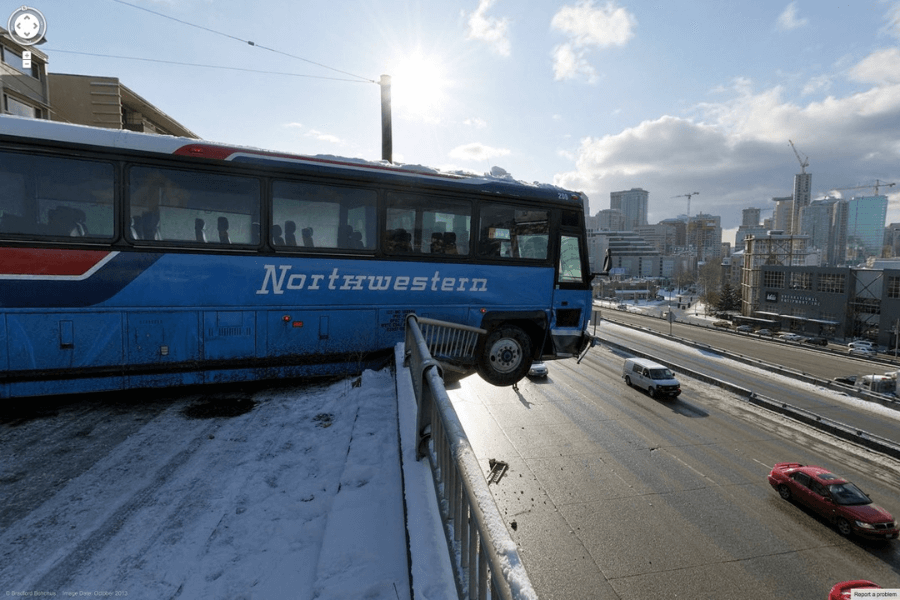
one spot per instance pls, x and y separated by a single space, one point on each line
506 357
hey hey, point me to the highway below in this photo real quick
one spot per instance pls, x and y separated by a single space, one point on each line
612 494
813 361
823 363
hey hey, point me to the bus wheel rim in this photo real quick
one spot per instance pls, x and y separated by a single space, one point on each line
505 355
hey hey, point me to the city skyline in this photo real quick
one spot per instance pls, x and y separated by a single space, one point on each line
622 201
842 231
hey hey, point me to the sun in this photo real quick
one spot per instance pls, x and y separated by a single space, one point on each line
419 86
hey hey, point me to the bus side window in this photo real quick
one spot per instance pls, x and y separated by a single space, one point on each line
513 232
437 225
55 197
334 214
192 206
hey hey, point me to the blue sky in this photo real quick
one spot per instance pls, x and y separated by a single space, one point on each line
672 97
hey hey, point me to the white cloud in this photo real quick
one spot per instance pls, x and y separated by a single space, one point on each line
893 18
492 30
788 19
313 133
322 137
736 152
475 122
569 63
880 67
609 25
477 151
817 84
566 154
587 27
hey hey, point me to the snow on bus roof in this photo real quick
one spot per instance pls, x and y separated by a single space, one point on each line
167 144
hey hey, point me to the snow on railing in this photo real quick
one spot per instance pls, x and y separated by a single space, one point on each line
485 559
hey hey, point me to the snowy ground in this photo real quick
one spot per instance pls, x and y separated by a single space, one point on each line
301 497
698 312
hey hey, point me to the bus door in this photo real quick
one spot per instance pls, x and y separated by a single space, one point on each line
571 310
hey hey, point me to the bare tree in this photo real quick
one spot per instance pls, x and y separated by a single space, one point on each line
710 279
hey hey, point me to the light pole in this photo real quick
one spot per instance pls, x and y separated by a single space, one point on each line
387 139
896 336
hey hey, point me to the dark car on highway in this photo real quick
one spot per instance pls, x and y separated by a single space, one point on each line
818 341
834 498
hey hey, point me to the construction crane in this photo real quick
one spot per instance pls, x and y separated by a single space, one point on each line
804 162
688 196
878 184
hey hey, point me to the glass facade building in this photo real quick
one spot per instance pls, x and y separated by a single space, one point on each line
866 218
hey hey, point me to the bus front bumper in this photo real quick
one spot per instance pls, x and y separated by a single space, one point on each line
568 343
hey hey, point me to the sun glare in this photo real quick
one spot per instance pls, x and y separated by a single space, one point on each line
419 86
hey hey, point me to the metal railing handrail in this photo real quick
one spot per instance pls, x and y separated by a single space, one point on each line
452 345
485 559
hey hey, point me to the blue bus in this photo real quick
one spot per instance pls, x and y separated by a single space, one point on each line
130 260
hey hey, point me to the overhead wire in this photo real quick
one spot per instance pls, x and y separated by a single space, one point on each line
187 64
248 42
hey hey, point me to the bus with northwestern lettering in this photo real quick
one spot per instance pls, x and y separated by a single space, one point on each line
130 260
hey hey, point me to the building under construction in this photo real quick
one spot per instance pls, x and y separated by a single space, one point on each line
834 302
774 249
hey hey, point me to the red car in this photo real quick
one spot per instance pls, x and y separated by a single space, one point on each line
834 498
843 590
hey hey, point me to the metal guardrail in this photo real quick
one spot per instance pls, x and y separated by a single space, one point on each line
485 560
452 345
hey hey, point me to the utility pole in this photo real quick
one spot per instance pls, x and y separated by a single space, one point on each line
387 140
896 337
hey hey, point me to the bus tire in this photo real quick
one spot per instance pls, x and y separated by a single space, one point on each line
506 357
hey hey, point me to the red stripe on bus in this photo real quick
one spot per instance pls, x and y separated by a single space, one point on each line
48 261
205 151
226 153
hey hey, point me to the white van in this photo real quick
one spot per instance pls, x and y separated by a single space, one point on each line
879 384
651 376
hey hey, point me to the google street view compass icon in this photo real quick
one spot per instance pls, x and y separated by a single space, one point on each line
27 26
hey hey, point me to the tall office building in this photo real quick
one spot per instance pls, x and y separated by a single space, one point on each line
633 204
866 218
744 230
680 227
892 238
705 236
781 216
663 235
837 249
750 217
800 199
815 221
610 220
